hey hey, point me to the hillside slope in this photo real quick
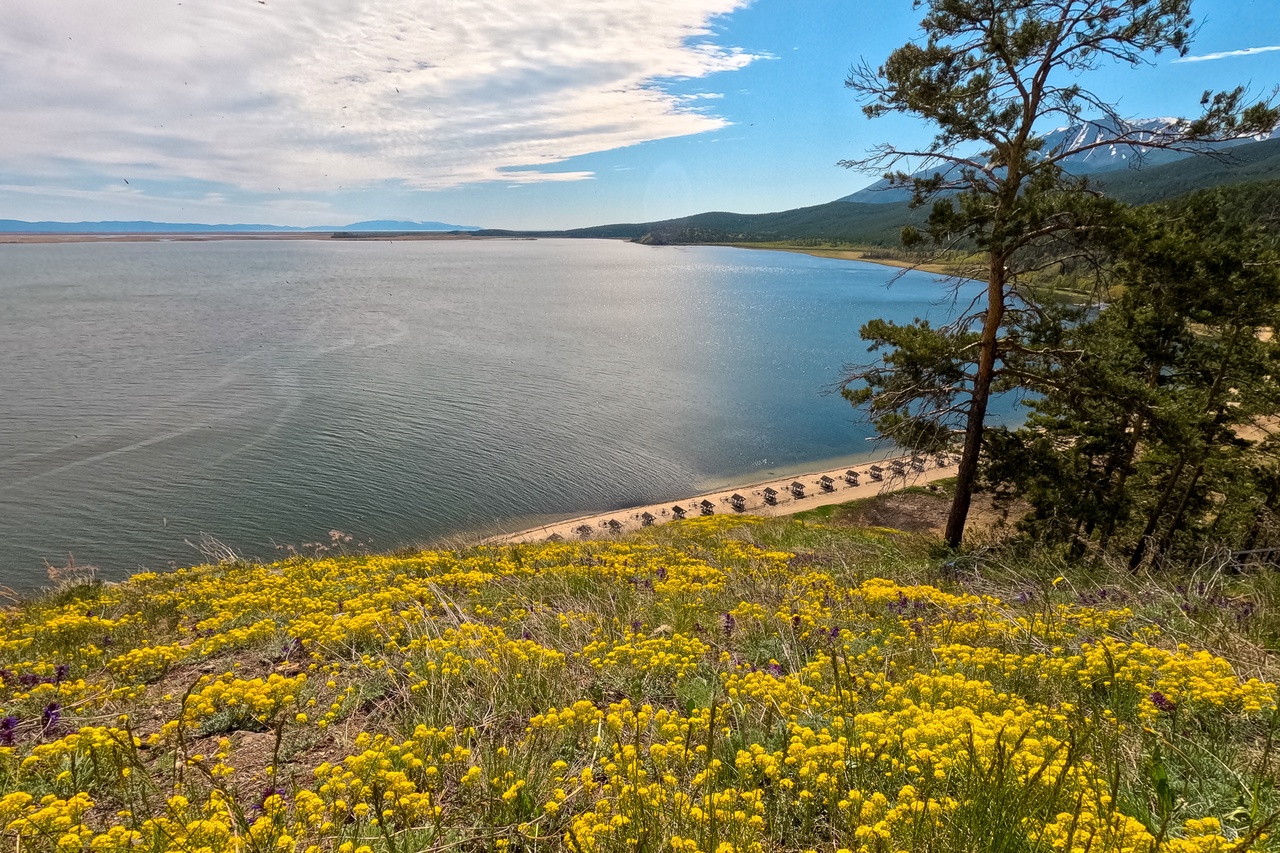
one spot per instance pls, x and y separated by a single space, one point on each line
1259 161
1091 161
721 685
835 221
880 224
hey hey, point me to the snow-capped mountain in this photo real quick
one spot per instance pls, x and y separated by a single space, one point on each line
1082 138
1089 157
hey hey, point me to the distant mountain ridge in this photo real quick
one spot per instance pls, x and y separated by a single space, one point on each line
832 221
147 227
855 222
1107 158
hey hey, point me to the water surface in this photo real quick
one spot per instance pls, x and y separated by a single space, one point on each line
265 393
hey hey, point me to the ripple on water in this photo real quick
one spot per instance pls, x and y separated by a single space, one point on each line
267 392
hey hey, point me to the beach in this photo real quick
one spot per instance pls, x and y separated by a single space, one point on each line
817 488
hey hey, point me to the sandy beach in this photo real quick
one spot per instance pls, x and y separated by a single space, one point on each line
819 488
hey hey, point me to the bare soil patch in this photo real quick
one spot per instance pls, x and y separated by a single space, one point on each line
923 511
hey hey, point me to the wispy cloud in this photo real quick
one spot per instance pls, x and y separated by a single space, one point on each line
1227 54
311 95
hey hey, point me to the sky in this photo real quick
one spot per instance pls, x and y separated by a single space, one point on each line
496 113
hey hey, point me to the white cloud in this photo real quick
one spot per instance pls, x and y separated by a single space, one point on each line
311 95
51 200
1227 54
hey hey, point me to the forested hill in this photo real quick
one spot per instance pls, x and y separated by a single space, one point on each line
1259 161
865 224
877 224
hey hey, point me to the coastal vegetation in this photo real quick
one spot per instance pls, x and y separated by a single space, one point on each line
719 684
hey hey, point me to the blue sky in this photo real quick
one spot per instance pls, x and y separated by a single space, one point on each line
500 113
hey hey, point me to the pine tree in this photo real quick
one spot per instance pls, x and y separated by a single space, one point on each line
1150 433
990 74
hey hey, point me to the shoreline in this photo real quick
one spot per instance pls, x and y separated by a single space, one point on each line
607 525
35 238
842 255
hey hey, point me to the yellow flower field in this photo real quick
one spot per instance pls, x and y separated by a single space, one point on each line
726 684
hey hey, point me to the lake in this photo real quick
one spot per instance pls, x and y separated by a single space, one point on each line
266 393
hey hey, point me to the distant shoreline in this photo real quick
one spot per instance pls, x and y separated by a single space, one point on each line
217 236
209 236
19 237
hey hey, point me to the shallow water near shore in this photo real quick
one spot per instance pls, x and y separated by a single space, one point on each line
266 393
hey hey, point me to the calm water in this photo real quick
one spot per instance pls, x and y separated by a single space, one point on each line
266 393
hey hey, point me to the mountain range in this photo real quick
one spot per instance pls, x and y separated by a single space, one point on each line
856 221
1087 160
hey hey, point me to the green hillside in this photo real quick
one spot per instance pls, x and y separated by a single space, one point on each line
720 685
860 224
833 222
1257 202
1259 161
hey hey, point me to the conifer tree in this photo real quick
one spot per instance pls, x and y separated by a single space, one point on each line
1150 433
991 76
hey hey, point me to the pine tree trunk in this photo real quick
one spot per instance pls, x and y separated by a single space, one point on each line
1167 539
1126 469
1153 520
1268 507
967 475
1116 493
1211 405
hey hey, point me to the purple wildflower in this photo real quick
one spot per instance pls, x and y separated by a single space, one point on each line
1163 703
261 805
775 669
728 623
8 728
291 648
49 718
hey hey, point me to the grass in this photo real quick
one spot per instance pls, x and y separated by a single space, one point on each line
719 684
